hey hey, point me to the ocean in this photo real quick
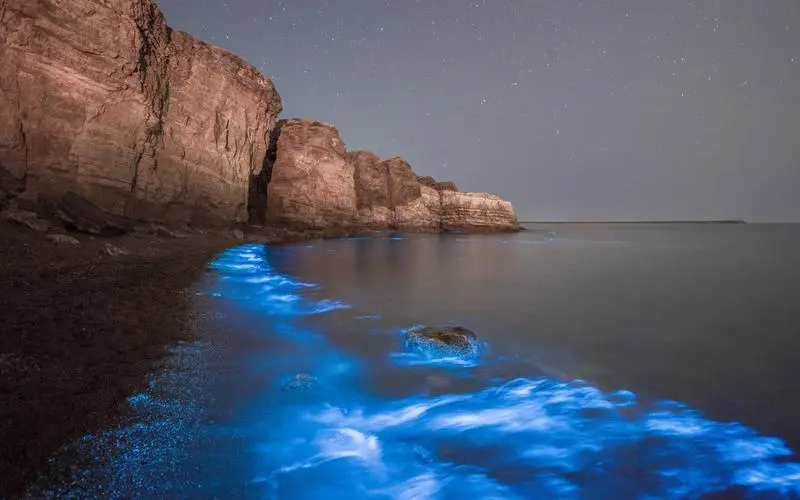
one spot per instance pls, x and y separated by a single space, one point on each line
611 361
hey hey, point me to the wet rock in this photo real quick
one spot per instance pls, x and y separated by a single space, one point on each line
80 214
302 382
113 250
25 218
334 232
438 381
442 341
63 240
237 234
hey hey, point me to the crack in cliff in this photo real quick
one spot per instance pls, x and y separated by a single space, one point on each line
23 136
154 82
135 180
257 201
24 144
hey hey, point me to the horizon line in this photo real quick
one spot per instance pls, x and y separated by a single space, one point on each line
654 221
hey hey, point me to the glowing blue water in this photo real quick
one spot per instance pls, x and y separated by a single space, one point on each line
218 421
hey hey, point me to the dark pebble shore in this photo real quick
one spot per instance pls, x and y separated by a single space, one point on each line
81 329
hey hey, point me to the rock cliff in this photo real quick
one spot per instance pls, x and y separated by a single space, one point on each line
476 212
312 181
102 98
101 103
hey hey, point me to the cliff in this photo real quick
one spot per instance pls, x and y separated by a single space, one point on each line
312 181
102 98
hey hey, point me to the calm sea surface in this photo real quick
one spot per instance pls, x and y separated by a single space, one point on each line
613 361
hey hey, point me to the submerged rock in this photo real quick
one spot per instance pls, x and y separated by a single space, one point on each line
447 341
437 381
334 232
302 382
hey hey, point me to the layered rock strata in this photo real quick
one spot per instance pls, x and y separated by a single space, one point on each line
102 98
100 101
312 181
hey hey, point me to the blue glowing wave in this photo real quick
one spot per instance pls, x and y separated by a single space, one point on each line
249 279
326 438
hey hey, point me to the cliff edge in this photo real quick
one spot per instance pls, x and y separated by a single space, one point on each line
312 181
100 98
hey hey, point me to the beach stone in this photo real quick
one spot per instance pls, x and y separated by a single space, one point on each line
63 240
80 214
113 250
442 340
25 218
159 230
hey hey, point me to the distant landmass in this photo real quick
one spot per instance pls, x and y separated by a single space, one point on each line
732 221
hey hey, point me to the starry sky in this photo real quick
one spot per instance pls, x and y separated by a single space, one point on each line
572 110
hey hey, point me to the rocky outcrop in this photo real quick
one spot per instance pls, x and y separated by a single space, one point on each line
416 207
477 212
429 181
102 102
312 181
371 179
79 214
102 98
455 341
16 215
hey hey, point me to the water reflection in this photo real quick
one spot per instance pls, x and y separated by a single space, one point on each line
225 420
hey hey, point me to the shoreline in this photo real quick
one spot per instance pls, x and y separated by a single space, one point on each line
83 329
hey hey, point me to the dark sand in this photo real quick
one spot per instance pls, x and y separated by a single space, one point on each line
80 331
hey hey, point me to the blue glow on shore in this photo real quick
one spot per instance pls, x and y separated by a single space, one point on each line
310 428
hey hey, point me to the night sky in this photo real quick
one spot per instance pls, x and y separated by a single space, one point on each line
572 110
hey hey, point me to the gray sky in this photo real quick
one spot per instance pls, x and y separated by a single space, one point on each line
572 110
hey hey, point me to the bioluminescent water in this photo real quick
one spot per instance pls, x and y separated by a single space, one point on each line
304 386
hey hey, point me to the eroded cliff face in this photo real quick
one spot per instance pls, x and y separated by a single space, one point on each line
371 178
479 212
102 98
315 182
311 183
